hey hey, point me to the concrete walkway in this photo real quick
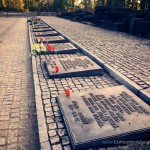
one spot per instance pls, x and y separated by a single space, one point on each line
18 124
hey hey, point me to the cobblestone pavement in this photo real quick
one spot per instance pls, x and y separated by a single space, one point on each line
50 88
18 123
127 54
5 25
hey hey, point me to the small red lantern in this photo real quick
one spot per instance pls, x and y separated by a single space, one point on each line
47 44
50 47
41 39
67 92
56 68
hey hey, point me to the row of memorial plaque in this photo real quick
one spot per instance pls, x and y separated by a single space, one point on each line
52 37
66 67
98 117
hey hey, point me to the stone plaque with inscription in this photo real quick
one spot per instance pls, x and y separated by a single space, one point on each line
40 26
42 30
104 116
48 33
52 39
71 67
63 48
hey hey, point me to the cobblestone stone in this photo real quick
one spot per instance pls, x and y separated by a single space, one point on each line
12 147
52 126
2 141
62 132
65 140
67 147
57 147
52 133
55 140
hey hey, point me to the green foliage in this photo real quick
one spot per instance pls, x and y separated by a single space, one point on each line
70 5
0 3
31 5
121 3
60 5
145 4
129 4
26 2
109 3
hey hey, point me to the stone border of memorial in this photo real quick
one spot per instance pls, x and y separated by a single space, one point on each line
43 135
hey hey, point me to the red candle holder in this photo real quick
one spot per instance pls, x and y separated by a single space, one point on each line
53 48
41 39
47 44
67 92
56 69
50 47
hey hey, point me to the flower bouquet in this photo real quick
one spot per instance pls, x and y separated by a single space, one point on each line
38 49
29 19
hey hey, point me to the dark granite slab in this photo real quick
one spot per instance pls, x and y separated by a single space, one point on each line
42 30
40 26
63 48
52 39
74 66
48 33
104 117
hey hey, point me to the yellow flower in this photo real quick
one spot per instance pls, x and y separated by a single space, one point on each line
43 48
38 48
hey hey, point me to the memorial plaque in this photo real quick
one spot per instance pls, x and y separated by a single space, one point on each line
52 39
49 33
63 48
103 116
71 67
42 30
40 26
